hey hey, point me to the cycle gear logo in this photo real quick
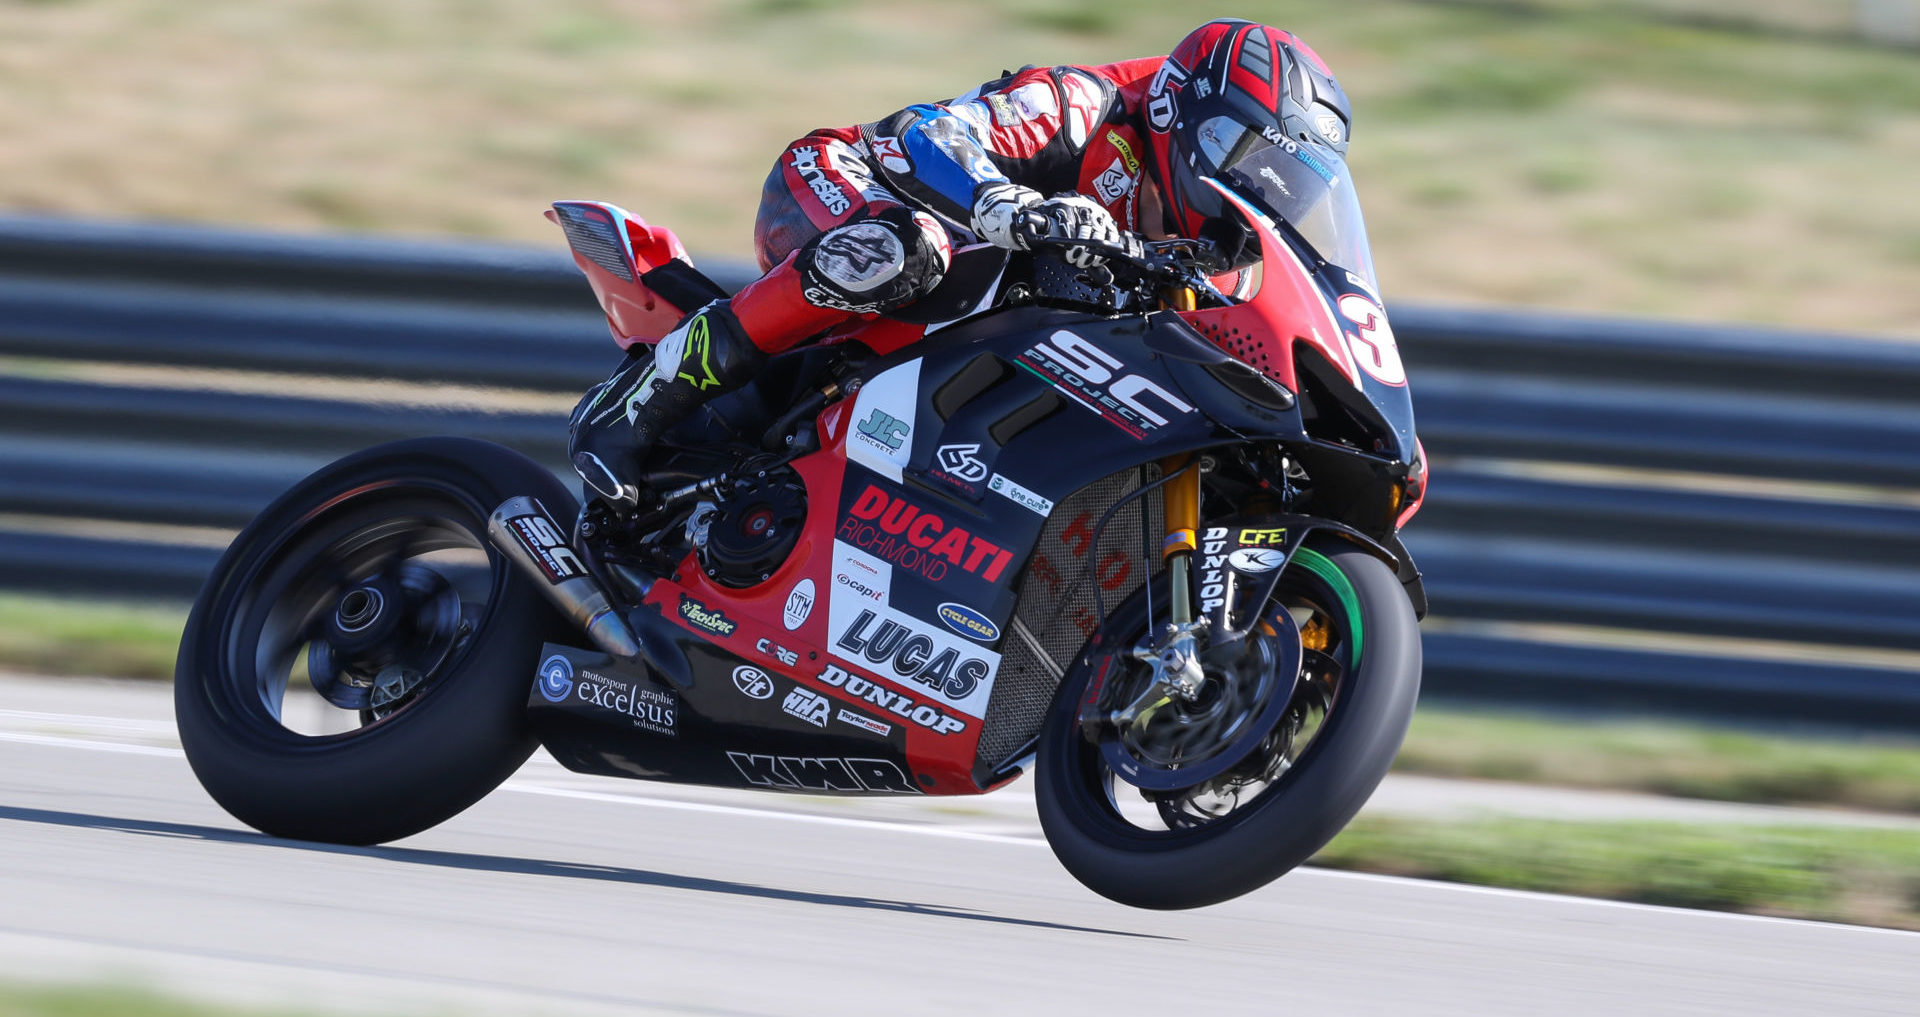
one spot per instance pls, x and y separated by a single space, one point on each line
556 678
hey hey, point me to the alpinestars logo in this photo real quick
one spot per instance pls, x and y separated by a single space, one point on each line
963 462
697 365
806 162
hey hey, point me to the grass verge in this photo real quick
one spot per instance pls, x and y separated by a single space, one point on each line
1665 757
47 635
1865 877
97 1001
60 636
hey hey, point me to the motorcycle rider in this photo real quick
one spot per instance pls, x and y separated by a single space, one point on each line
855 222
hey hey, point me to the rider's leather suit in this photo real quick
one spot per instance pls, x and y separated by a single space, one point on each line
858 221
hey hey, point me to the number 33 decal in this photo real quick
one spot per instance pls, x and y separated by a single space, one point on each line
1373 346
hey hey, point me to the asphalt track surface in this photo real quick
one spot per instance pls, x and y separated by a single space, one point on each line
568 895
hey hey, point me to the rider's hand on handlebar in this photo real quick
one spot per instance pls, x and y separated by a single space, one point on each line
1011 216
1077 218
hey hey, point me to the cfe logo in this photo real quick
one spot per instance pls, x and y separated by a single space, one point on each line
556 678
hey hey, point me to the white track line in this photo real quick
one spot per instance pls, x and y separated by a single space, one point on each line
960 833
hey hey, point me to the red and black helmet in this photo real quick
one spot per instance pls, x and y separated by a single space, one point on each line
1228 86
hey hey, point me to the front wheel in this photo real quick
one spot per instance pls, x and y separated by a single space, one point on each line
372 583
1341 725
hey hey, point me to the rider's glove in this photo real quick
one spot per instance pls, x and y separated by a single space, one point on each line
1008 215
1000 213
1078 217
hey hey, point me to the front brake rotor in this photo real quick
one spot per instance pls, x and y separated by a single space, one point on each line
1185 742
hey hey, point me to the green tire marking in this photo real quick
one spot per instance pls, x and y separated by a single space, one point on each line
1322 566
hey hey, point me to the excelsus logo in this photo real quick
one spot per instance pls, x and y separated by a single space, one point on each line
879 521
556 678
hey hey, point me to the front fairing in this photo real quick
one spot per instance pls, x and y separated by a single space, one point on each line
1317 324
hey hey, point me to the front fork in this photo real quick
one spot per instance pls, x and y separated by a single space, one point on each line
1172 650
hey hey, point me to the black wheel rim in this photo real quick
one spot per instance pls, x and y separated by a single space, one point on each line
371 601
1320 600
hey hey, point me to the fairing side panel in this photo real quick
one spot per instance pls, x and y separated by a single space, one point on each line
880 638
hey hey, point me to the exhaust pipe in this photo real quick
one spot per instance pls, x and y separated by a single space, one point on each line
523 531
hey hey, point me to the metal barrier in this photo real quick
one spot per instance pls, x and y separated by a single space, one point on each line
1622 511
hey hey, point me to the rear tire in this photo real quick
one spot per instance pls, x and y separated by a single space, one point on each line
1256 843
456 735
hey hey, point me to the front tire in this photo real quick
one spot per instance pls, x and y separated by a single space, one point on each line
1198 859
444 722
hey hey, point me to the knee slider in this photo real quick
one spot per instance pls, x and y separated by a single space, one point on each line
877 264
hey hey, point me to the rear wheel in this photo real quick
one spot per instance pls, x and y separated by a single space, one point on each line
357 666
1148 840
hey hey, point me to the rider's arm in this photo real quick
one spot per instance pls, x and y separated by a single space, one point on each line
1020 137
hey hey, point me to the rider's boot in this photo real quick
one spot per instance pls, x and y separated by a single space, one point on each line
713 351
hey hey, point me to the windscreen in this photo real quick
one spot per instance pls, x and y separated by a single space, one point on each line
1303 184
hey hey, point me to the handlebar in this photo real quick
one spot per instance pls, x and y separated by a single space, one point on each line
1154 264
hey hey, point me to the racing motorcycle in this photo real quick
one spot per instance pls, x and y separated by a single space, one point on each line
1133 525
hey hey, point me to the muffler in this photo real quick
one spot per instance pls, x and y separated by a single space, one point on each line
523 531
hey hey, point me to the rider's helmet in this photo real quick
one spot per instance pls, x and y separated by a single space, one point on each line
1229 87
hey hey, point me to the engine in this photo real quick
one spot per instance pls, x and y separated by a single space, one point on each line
751 528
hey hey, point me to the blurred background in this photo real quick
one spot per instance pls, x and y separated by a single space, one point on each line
1721 503
1749 160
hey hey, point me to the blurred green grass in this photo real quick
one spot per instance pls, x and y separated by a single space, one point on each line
1691 158
22 1000
61 636
1666 757
1867 877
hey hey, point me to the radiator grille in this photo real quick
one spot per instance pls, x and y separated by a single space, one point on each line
1057 610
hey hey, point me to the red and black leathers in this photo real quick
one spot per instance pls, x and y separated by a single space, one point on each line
918 175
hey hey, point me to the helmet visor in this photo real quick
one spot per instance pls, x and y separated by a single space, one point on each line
1303 184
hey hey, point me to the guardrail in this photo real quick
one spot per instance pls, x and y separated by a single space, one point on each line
1622 511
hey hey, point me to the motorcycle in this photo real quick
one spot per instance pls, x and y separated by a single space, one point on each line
1133 526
